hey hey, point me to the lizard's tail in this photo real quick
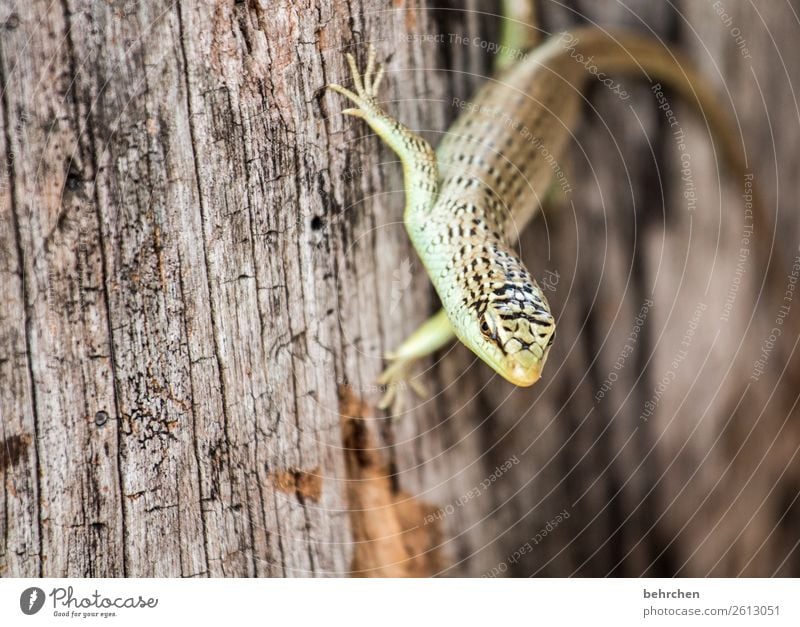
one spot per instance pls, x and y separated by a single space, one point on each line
627 53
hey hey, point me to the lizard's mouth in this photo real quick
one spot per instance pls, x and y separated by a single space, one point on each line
523 368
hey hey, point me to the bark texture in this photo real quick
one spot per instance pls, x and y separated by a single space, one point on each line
202 263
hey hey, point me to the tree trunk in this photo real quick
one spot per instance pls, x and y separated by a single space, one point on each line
203 264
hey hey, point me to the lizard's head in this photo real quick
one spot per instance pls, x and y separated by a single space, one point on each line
509 324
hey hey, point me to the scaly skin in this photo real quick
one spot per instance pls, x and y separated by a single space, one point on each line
494 159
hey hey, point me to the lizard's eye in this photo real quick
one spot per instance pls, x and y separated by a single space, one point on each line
486 328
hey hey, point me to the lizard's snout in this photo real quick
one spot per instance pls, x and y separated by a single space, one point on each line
523 368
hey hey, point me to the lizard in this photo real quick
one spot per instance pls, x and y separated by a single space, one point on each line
466 202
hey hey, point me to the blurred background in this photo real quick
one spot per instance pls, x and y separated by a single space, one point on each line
204 263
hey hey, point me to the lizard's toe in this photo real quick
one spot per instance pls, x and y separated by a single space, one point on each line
395 378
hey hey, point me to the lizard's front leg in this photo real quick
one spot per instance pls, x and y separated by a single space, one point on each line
429 337
418 158
421 187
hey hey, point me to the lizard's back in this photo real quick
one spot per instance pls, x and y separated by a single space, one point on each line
503 151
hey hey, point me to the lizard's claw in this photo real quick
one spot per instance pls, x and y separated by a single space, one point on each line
366 85
395 378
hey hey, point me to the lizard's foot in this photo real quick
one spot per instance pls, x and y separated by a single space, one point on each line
366 86
395 378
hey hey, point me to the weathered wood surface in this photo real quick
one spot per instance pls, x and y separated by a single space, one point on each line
202 264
